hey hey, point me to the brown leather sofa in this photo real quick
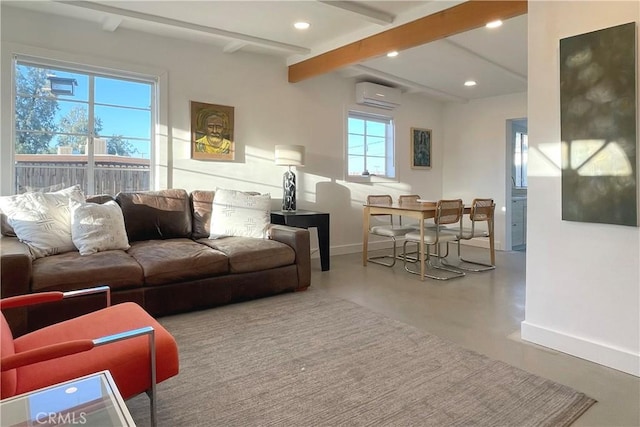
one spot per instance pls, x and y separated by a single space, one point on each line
171 267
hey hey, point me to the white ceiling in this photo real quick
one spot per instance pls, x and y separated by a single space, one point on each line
496 59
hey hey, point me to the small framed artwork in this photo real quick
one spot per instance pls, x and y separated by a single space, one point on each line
420 148
212 132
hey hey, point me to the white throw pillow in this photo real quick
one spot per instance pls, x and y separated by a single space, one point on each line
97 227
42 220
235 213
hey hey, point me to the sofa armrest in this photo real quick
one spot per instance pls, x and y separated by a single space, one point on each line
15 267
15 279
298 239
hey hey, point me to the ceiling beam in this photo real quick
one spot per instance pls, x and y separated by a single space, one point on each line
463 17
123 13
111 23
509 71
233 46
371 15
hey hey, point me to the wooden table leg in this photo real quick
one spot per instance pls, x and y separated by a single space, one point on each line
365 235
492 247
422 262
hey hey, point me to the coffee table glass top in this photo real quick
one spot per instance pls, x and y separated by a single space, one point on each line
91 400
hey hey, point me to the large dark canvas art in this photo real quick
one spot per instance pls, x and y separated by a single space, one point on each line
598 126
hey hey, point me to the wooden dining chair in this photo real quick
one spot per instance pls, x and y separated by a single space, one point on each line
482 210
448 213
386 230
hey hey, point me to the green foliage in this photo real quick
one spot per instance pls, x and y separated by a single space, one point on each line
76 122
35 111
119 146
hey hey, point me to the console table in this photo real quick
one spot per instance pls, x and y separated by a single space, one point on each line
305 219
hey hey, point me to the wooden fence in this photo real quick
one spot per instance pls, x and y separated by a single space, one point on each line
52 172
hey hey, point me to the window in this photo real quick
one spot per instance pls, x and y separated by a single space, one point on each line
521 148
370 145
76 126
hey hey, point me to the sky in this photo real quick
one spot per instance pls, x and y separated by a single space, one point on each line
122 106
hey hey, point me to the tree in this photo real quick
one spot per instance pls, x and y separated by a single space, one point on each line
35 111
76 122
119 146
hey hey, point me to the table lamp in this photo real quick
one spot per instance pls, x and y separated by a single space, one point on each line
289 155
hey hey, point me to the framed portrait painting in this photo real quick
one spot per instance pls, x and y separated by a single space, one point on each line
420 148
212 132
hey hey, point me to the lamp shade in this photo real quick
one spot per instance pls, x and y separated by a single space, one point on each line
289 155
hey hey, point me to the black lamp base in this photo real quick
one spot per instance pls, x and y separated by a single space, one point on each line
289 191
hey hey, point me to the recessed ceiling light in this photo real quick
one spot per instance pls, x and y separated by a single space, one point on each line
392 54
301 25
470 83
494 24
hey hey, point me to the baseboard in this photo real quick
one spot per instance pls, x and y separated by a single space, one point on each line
600 353
357 247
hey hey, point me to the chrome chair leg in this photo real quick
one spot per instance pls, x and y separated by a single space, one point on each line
394 257
463 263
430 265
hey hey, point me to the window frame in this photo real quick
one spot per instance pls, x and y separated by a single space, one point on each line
358 112
157 78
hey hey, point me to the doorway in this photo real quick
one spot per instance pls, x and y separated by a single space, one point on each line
516 183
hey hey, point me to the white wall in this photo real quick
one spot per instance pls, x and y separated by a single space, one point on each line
268 111
583 280
475 152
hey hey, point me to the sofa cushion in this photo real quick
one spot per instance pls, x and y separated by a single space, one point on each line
72 271
248 254
161 214
7 230
201 201
236 213
177 260
97 227
42 220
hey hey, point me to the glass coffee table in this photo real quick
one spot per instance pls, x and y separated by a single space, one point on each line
93 400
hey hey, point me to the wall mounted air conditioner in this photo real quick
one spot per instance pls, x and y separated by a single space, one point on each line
376 95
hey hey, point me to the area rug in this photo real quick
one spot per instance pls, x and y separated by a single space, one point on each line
311 359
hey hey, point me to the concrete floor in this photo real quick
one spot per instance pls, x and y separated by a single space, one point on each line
482 312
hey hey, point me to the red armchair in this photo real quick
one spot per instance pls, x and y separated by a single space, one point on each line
140 352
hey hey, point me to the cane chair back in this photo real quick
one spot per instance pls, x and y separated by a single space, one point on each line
412 198
408 198
482 210
381 199
448 212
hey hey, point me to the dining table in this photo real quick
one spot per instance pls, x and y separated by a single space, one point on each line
421 210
